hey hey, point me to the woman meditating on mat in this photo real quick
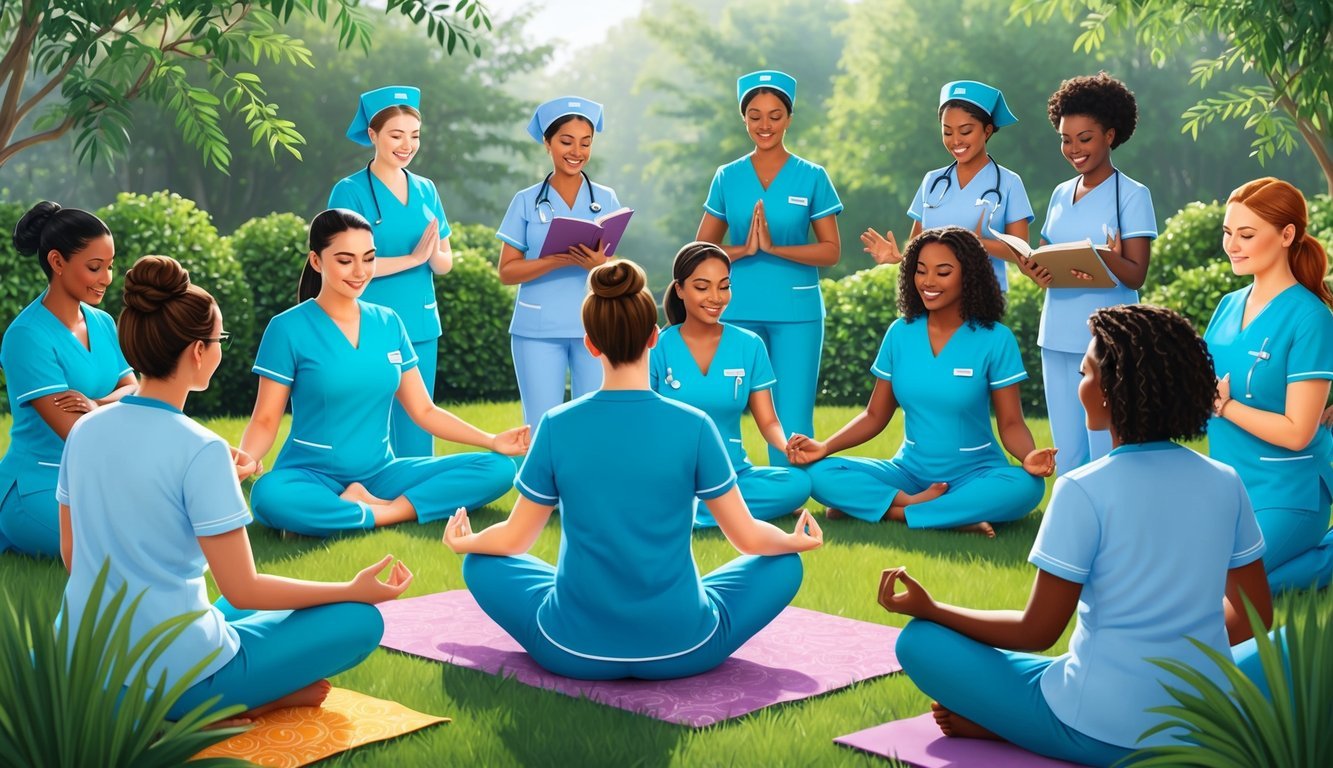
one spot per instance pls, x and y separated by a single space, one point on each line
342 362
159 515
947 361
721 369
625 464
1152 545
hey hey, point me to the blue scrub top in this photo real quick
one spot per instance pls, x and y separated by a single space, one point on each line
764 287
947 432
145 510
41 357
964 207
1290 340
1150 531
740 366
1064 318
625 467
341 395
550 306
410 293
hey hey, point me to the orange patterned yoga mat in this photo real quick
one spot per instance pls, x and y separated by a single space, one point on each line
297 736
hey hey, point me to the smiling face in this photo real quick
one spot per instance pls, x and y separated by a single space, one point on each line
963 134
766 120
85 275
706 292
939 278
397 141
1090 393
1085 143
346 265
1252 244
570 146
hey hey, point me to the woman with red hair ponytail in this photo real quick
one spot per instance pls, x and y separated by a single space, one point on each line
1272 347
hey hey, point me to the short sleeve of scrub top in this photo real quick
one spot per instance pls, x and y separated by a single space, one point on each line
716 204
1069 536
276 358
1312 356
761 368
32 369
1249 538
536 478
713 475
514 226
1006 362
883 365
213 499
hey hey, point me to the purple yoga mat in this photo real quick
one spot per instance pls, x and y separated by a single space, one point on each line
802 653
917 741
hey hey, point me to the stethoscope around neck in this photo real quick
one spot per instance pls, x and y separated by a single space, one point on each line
544 198
947 178
374 198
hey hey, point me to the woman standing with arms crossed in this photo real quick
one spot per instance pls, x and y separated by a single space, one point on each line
769 200
61 360
411 235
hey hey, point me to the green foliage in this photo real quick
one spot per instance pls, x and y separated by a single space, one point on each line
1022 315
271 251
1196 292
1321 220
475 240
475 358
23 278
86 700
860 307
169 225
1191 238
1235 724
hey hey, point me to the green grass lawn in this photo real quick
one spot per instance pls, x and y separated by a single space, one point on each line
498 722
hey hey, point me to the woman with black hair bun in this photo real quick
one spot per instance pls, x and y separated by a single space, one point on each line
61 360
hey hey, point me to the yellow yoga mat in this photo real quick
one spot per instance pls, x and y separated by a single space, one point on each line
288 738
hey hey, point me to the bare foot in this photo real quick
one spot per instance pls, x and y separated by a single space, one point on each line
935 491
982 527
312 695
832 513
358 492
955 725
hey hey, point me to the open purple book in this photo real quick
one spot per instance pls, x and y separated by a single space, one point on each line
566 232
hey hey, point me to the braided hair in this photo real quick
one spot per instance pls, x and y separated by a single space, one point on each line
983 301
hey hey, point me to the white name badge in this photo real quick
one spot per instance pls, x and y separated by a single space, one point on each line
962 371
794 200
733 372
396 357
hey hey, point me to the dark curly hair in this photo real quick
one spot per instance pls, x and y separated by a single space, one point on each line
1157 374
983 301
1101 97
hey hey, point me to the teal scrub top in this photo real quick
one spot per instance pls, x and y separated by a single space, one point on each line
764 287
996 193
41 357
947 431
550 306
144 511
625 467
410 293
740 366
341 395
1290 340
1150 531
1064 317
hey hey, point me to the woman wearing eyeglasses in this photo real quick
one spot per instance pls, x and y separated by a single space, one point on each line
546 332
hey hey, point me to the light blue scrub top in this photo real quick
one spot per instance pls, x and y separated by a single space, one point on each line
1290 340
625 466
145 510
764 287
964 207
1150 531
549 307
1064 318
948 397
41 357
341 395
410 293
740 366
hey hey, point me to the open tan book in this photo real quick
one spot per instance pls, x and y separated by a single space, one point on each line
1060 258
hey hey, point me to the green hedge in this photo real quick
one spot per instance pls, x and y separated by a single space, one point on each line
1022 314
475 240
860 309
475 308
1192 238
22 278
1196 292
272 251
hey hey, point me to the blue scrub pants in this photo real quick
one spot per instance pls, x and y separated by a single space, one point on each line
864 488
769 492
540 366
1069 422
284 651
305 501
1300 546
794 349
30 522
405 437
749 592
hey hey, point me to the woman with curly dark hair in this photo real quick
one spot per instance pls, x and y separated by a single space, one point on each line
948 361
1154 545
1094 114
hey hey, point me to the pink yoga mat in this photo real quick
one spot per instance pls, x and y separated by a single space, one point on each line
802 653
917 741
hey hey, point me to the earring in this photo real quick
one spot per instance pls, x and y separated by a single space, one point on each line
1103 403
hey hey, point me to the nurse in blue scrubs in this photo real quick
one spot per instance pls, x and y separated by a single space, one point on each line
342 362
721 370
61 360
1272 345
947 361
1154 547
769 200
973 192
158 515
625 465
411 235
1094 114
546 333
